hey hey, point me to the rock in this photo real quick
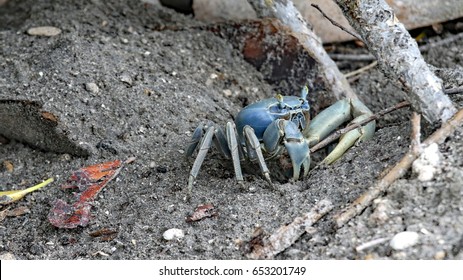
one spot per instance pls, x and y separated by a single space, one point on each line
7 256
403 240
92 87
48 31
125 78
440 255
383 209
173 233
428 164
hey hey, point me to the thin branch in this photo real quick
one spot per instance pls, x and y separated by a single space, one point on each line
397 171
286 235
423 49
371 243
415 146
361 70
352 57
454 90
443 42
335 23
334 136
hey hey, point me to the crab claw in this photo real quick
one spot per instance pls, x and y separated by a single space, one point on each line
297 147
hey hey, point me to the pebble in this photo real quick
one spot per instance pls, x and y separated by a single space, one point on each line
92 87
428 164
173 233
403 240
125 78
227 93
48 31
7 256
440 255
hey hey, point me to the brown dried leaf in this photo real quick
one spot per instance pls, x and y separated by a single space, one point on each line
8 165
18 211
3 214
102 231
201 212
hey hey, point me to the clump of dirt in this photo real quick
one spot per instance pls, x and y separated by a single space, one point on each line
150 87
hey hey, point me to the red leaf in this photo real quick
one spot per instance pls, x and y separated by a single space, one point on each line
89 181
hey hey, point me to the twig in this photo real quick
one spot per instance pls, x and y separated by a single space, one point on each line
352 57
342 131
423 48
335 23
361 70
396 172
415 146
454 90
451 39
286 235
371 243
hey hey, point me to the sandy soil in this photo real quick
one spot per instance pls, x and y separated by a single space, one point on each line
155 86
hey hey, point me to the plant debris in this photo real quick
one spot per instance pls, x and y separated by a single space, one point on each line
105 234
89 181
266 247
11 196
14 213
201 212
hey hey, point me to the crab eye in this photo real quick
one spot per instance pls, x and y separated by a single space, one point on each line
304 92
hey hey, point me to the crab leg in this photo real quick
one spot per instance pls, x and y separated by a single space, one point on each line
234 150
195 139
332 117
255 151
205 146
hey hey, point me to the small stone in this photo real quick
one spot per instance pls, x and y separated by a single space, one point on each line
124 41
125 78
439 255
173 233
7 256
48 31
428 164
171 208
92 87
403 240
227 93
382 210
36 249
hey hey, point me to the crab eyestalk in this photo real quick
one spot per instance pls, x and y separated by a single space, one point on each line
279 97
304 92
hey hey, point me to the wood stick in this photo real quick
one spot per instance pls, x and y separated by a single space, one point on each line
286 235
335 23
361 70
